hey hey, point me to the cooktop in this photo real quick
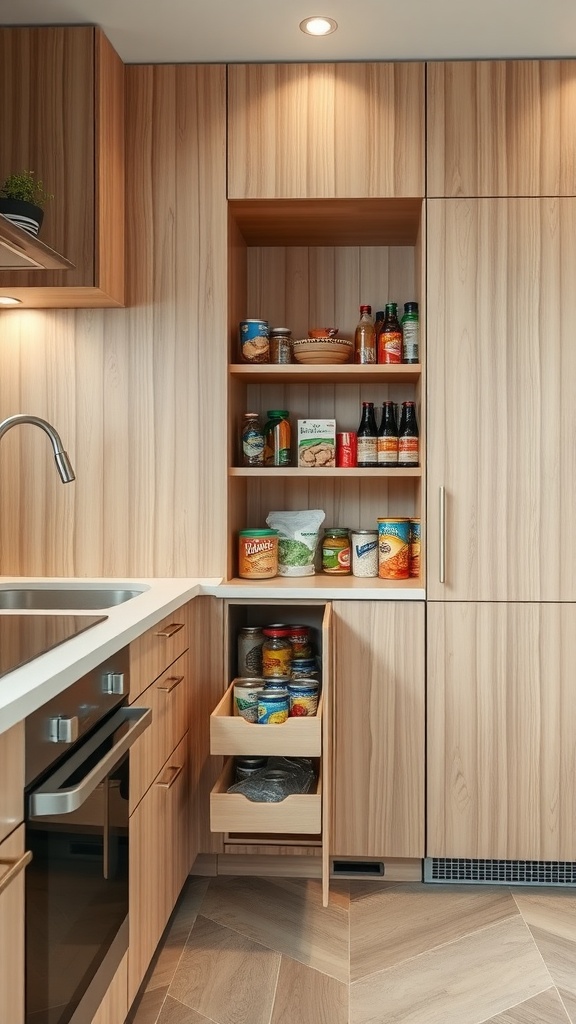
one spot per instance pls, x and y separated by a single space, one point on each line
25 637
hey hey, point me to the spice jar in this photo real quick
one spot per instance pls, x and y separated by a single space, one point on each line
276 651
336 552
280 345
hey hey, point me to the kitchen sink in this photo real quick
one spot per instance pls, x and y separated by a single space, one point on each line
55 598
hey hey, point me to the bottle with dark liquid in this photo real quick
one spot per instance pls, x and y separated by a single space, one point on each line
408 436
367 438
388 436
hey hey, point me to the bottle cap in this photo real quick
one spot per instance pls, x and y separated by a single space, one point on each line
365 309
276 413
410 307
392 307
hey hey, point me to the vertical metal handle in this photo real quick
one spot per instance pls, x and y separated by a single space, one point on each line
442 537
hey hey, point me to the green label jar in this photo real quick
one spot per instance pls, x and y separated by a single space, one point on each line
336 552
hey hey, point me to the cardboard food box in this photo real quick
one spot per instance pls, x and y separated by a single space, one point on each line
316 443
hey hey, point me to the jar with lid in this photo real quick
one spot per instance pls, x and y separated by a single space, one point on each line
280 345
250 640
276 651
300 640
336 552
277 438
252 440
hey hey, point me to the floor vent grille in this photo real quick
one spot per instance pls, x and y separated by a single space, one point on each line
499 872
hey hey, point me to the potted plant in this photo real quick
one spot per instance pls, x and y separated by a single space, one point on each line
22 197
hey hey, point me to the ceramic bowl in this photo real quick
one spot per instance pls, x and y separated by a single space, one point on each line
323 332
322 350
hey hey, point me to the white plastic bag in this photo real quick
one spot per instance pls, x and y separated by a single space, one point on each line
298 539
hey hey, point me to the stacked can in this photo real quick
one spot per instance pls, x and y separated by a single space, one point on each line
393 549
415 548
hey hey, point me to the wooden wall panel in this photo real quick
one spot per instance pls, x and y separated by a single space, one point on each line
326 130
137 394
501 128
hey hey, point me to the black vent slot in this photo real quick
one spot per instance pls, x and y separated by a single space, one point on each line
371 868
499 872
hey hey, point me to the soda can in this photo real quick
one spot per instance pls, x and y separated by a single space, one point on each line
346 449
415 548
393 549
254 341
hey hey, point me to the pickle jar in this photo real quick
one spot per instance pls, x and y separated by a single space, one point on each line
276 651
336 552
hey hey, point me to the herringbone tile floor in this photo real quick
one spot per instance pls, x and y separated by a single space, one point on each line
261 951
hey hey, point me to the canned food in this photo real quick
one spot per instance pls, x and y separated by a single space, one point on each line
246 766
336 552
364 553
276 683
300 640
304 668
415 547
393 549
250 640
273 707
254 341
246 698
346 449
257 554
303 698
276 651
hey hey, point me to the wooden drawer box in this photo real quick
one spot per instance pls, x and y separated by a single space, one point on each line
231 734
168 699
155 650
232 812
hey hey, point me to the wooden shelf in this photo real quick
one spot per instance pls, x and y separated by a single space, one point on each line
326 472
232 812
326 373
327 221
231 734
322 581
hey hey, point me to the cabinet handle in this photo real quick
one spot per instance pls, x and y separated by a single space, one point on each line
171 683
175 771
14 868
442 538
170 630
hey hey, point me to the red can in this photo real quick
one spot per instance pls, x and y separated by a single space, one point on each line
346 449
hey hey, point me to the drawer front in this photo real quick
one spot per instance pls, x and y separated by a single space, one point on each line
155 650
232 812
167 697
231 734
12 776
12 931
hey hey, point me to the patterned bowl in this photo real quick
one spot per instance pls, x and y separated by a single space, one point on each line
322 350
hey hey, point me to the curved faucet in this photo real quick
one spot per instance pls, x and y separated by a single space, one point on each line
63 464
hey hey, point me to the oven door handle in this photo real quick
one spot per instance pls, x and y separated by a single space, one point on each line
53 798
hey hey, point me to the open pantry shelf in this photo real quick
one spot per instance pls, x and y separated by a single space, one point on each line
324 471
349 373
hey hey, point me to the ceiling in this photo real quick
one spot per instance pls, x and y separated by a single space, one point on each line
159 31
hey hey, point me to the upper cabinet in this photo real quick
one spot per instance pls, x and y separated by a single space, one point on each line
300 131
501 128
62 116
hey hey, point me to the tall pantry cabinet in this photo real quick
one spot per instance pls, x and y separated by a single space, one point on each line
501 468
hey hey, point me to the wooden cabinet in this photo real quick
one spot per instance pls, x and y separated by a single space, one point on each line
501 322
300 263
12 862
325 130
62 115
378 754
501 732
12 779
160 853
114 1006
501 128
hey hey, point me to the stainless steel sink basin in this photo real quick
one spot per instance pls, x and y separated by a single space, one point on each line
56 598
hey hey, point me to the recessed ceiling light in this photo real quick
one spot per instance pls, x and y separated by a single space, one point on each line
318 26
8 300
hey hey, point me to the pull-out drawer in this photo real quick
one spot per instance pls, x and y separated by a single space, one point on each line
231 734
232 812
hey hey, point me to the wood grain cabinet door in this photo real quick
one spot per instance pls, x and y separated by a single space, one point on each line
12 929
501 416
378 755
501 744
501 128
345 130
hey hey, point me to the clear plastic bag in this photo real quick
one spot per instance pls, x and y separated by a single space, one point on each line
281 777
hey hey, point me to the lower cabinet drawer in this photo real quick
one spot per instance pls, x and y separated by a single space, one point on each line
232 812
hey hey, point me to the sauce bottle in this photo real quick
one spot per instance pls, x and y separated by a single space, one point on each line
408 436
388 436
365 337
277 437
367 438
390 338
410 333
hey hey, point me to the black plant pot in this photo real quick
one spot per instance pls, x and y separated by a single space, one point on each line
25 215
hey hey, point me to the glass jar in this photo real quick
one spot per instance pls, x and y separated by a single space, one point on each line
277 438
280 345
336 552
276 651
300 640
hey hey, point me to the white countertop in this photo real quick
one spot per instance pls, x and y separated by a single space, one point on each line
29 687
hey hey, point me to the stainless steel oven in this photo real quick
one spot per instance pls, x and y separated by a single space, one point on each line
78 758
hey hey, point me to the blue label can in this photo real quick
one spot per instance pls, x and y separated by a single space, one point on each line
254 341
273 707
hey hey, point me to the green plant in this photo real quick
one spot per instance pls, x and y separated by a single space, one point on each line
24 186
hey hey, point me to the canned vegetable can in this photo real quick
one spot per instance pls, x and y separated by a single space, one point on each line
273 707
246 698
303 698
254 341
393 549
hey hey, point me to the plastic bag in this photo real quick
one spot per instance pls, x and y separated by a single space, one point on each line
281 777
298 539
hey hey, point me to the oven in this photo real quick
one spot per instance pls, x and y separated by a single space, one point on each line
77 769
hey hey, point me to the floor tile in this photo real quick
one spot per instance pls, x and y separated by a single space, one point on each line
399 923
225 976
178 932
147 1009
569 1000
545 1008
559 955
553 910
175 1012
463 982
359 888
305 996
283 918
